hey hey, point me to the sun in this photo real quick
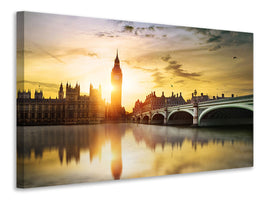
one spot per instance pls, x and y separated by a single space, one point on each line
111 88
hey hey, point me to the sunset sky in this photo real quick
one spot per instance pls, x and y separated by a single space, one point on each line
153 57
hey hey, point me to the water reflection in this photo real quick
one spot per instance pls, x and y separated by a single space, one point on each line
116 161
71 141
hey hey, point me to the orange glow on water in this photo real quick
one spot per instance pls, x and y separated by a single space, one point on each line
106 152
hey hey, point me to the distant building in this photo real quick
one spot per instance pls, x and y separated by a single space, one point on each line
202 98
153 102
223 97
73 109
198 99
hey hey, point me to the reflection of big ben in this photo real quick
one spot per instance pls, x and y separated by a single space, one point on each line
116 162
116 81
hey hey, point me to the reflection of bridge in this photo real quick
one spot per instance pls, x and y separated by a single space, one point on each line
229 111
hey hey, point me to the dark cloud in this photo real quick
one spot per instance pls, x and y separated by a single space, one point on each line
106 34
92 54
214 48
237 39
173 62
173 66
166 27
166 58
100 34
149 35
222 38
201 31
214 38
128 28
119 22
160 27
139 31
225 32
151 28
177 70
179 81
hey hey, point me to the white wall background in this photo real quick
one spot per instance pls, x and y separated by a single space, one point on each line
229 184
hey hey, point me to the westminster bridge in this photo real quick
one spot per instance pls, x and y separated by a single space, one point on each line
228 111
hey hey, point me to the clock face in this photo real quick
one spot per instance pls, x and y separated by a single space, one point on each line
117 77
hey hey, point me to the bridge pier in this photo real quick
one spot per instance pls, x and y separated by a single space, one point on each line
195 117
165 121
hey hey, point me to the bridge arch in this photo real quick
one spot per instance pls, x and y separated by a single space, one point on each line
161 113
180 117
138 119
234 114
158 118
145 119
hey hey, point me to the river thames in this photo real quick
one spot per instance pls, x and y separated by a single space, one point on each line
55 155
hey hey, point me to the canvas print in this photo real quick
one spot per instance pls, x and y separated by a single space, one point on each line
102 99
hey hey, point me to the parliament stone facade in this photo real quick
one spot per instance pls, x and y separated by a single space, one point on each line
153 102
73 109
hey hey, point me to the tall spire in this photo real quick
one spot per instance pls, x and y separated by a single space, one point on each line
117 57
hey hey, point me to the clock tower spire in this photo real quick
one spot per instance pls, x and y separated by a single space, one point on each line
116 82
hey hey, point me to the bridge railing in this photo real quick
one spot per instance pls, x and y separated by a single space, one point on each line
227 99
240 98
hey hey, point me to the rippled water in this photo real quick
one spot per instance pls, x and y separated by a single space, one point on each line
53 155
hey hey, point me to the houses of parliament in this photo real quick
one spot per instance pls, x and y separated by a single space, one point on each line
72 108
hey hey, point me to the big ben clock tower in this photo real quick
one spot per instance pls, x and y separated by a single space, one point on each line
116 81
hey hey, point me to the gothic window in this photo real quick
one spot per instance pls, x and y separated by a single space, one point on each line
26 107
46 107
